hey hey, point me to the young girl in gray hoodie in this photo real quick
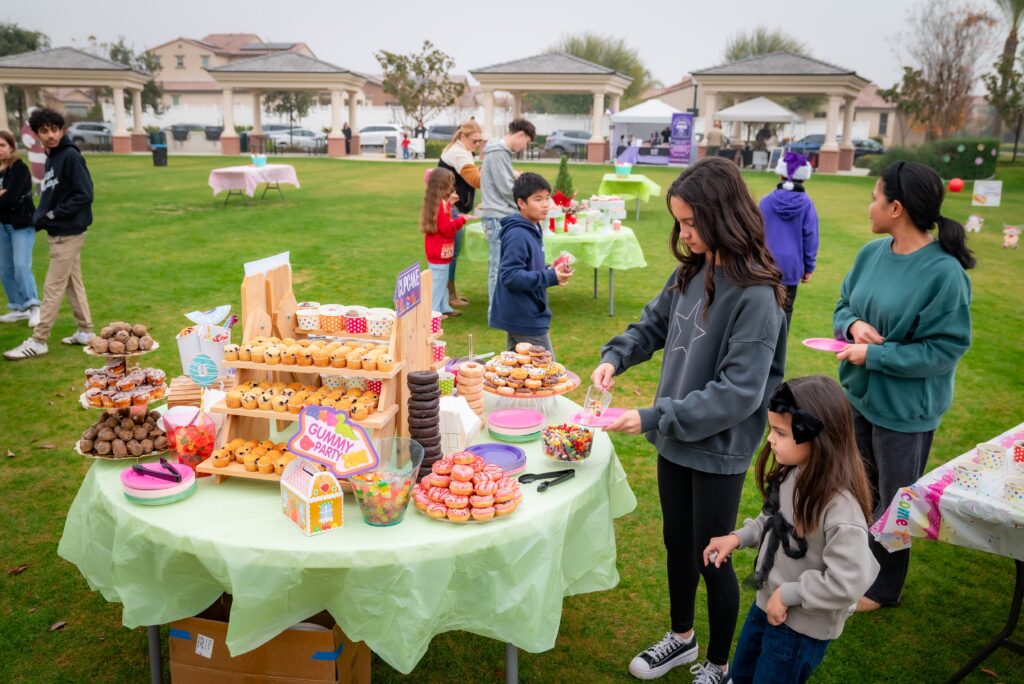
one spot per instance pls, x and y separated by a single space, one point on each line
813 559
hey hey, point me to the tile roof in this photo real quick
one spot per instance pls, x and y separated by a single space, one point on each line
62 58
547 63
776 63
281 62
230 42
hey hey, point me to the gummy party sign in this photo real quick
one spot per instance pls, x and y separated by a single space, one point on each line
326 436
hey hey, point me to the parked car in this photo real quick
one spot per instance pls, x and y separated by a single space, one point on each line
810 145
276 128
441 132
867 146
298 138
567 142
374 136
90 133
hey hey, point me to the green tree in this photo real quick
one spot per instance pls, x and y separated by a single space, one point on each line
762 40
1006 95
152 92
14 40
1013 11
563 182
293 104
420 82
607 51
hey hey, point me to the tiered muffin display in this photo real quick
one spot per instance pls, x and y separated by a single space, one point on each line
424 415
470 384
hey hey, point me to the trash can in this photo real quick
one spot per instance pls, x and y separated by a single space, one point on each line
157 138
243 142
159 155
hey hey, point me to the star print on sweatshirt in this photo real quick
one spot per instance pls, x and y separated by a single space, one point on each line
684 336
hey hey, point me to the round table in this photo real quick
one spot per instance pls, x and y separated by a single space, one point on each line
606 248
394 588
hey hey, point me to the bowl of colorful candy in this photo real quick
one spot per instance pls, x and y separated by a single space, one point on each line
383 493
567 442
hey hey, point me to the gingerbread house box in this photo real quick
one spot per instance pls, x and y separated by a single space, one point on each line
310 497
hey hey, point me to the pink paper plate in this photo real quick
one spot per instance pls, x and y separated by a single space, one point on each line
825 344
516 419
133 480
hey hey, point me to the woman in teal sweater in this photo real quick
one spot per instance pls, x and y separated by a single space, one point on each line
906 308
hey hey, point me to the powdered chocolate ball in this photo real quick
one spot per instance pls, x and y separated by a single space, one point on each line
131 344
102 448
119 448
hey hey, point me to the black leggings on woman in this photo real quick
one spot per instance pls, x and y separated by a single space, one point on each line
696 506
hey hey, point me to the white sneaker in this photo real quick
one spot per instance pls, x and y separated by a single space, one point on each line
661 657
14 316
33 316
81 337
26 350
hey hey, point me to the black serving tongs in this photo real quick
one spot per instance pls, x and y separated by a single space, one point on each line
551 479
171 475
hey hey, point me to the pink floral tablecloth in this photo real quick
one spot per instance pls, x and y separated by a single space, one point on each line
936 507
248 178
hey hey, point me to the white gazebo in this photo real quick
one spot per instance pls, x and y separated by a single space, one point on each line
554 72
67 67
287 71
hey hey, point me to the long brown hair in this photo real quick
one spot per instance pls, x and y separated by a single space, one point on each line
8 138
730 224
834 465
440 186
468 128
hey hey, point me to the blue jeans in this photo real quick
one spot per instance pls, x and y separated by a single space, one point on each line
766 654
459 237
16 267
492 229
439 288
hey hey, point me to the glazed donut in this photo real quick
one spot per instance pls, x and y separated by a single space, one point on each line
505 508
523 359
506 390
481 501
462 472
523 348
442 467
533 384
498 381
463 457
436 510
519 373
502 370
458 514
440 480
456 501
502 494
471 369
483 513
487 488
461 488
537 350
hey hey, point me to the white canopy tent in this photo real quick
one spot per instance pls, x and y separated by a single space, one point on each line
652 116
758 110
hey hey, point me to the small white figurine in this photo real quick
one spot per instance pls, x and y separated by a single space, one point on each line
1011 234
974 223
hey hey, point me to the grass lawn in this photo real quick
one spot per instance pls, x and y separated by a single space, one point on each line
162 246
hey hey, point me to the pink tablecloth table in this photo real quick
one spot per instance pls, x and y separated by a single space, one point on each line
247 178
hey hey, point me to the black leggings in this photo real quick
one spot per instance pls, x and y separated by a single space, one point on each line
696 506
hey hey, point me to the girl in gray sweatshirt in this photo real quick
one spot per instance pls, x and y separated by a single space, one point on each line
813 559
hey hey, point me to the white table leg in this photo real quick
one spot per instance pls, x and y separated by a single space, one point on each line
638 207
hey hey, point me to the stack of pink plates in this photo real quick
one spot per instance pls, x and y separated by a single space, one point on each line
516 425
152 491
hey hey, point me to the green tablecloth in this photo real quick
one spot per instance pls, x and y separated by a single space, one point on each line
619 250
394 588
635 184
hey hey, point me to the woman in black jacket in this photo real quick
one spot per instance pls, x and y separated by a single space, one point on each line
17 236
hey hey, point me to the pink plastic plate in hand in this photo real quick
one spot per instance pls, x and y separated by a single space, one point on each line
604 420
825 344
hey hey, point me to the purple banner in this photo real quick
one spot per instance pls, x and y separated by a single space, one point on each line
407 290
680 143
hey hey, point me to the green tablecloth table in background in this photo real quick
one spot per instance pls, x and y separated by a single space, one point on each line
635 184
394 588
614 250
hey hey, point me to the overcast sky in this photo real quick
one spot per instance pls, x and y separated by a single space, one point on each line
672 37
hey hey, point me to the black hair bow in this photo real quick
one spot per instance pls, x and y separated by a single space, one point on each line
806 425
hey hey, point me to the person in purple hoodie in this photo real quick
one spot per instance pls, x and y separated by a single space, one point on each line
791 226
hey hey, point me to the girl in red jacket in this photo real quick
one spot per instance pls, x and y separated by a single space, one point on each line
439 229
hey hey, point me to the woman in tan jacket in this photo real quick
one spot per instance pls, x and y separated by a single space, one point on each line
457 157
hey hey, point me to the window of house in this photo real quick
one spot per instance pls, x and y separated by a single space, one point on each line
156 60
175 100
206 61
883 123
179 61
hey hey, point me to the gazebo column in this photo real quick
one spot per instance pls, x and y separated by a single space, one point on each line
335 139
828 157
140 142
846 146
488 114
614 106
257 140
597 148
710 109
352 123
3 109
517 104
122 138
229 142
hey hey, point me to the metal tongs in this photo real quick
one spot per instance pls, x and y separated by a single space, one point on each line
171 475
552 478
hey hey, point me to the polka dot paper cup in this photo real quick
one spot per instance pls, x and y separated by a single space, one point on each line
374 386
435 322
380 322
354 383
355 320
332 382
1018 451
1013 491
990 456
968 475
308 315
332 318
447 382
437 350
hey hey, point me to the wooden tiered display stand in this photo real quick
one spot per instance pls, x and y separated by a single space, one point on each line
268 309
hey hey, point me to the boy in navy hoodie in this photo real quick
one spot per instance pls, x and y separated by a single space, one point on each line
520 303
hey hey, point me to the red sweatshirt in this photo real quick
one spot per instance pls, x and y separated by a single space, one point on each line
440 246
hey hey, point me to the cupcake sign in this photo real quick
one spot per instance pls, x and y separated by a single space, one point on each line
326 436
407 290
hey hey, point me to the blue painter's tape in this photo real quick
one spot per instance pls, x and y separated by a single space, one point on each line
328 655
179 634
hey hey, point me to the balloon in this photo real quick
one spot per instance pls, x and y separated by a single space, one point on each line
955 185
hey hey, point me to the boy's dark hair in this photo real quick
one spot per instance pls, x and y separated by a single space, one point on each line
525 126
528 184
44 116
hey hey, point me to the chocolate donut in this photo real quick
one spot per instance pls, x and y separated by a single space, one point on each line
421 378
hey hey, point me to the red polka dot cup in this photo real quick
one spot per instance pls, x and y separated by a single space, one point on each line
438 351
1018 451
435 322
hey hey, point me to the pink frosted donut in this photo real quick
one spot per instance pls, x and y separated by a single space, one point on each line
481 477
421 502
461 488
517 496
456 501
478 464
436 510
463 457
494 471
437 494
440 480
442 467
486 488
508 482
502 494
483 513
504 508
481 501
462 472
420 488
458 514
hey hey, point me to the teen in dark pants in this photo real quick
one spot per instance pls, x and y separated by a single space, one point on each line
906 308
719 321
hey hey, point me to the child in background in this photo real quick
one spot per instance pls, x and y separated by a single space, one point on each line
405 146
791 226
439 229
813 562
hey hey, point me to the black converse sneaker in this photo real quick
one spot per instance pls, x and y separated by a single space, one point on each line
709 673
670 652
